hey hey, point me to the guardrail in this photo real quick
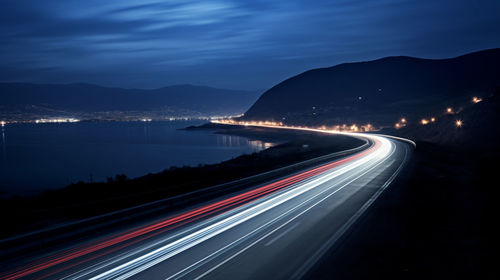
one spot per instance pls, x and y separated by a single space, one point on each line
71 230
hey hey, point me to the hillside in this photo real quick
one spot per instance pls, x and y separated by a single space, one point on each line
479 128
20 97
380 91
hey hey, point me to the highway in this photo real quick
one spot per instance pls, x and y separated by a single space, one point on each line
277 230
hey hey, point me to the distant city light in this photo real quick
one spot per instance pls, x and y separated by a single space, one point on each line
424 121
61 120
2 123
476 99
459 123
401 123
433 119
343 127
449 110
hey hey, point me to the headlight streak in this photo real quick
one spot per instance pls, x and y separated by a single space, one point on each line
150 259
190 268
226 214
172 222
147 247
123 256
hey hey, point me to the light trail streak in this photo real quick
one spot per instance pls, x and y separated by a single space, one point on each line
322 194
148 260
180 219
225 215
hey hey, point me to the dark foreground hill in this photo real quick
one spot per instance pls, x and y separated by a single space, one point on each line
478 129
379 91
92 98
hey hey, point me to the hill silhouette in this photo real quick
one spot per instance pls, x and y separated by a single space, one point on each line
380 91
93 98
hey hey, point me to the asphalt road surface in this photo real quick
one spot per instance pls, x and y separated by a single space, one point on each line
276 231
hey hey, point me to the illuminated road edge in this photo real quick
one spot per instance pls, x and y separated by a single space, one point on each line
231 212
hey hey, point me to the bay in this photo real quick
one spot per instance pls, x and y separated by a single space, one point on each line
37 157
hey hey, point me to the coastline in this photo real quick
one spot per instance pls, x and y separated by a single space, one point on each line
56 155
83 200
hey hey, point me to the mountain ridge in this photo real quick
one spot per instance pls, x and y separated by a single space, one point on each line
380 90
85 97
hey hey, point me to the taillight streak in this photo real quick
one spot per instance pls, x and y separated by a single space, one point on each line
173 222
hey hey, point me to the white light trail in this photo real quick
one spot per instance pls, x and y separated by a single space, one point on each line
182 244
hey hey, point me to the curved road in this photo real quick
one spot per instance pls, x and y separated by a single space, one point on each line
276 231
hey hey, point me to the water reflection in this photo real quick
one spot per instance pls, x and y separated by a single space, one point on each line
3 143
57 155
261 145
229 141
236 141
147 134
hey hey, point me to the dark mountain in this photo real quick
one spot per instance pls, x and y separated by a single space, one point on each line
478 130
93 98
379 91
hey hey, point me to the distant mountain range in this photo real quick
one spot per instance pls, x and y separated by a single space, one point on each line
178 99
379 91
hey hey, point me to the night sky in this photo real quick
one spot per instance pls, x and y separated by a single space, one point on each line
230 44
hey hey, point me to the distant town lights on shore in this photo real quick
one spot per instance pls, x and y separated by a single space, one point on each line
459 123
424 121
343 127
2 123
62 120
449 110
476 99
433 119
403 120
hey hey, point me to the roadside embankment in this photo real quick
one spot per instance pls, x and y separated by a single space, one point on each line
84 200
435 222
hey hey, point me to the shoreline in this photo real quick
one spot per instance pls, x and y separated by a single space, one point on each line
76 119
43 149
79 201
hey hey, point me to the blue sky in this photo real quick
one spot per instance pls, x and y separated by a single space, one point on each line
231 44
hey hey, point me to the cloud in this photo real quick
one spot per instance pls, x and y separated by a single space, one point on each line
227 42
